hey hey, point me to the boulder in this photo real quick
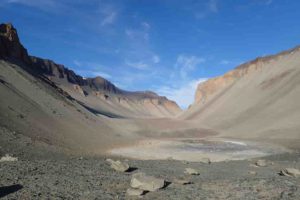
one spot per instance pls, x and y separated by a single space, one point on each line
118 165
109 160
252 173
134 192
191 171
290 172
147 183
205 160
261 163
8 158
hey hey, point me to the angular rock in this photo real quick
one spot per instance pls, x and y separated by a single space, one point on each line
191 171
8 158
290 172
134 192
261 163
147 183
109 160
118 165
252 172
205 160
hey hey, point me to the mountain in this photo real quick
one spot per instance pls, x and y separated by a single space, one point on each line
258 100
94 92
46 104
49 104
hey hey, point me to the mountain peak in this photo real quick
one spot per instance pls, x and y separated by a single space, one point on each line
10 46
100 83
99 79
8 31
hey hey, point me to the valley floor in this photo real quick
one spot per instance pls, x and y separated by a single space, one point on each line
40 174
197 149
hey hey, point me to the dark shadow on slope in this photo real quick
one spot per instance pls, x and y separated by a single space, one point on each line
6 190
38 73
97 112
60 92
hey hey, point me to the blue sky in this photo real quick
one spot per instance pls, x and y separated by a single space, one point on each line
167 46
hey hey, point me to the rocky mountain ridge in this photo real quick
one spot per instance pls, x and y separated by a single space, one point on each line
210 87
12 49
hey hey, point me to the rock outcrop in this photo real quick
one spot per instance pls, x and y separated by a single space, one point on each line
10 46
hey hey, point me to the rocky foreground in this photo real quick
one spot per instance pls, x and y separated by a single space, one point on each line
38 171
94 178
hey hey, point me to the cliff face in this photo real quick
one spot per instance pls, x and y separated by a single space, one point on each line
210 87
86 90
10 46
90 90
258 99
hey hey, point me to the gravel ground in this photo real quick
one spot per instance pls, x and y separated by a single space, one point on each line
92 178
43 173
